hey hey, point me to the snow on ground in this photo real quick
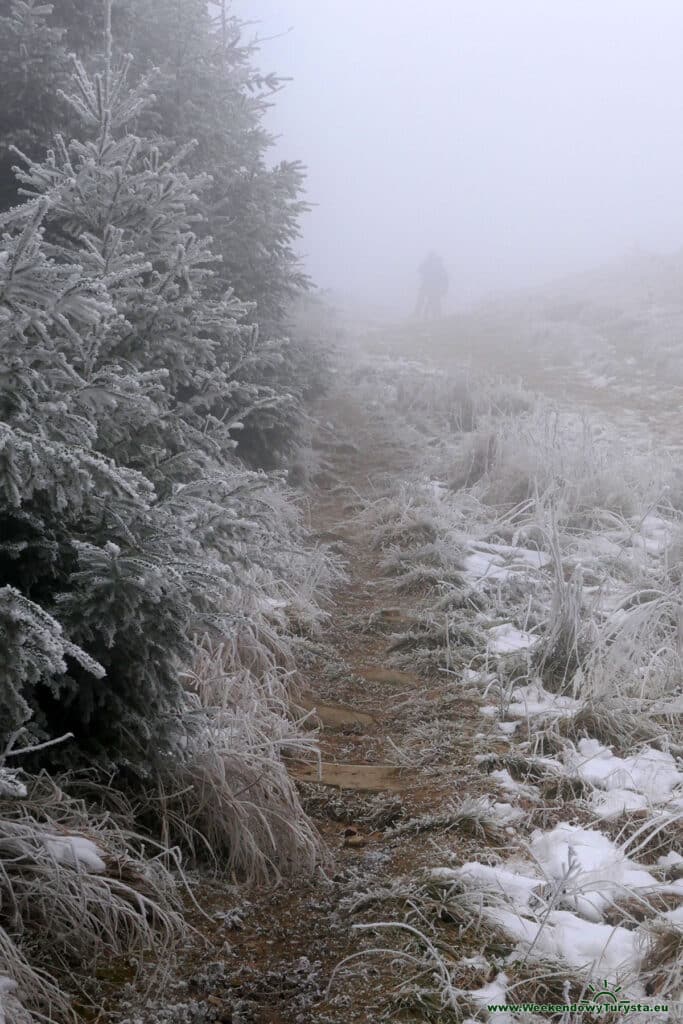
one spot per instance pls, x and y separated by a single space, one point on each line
555 903
507 639
591 868
11 784
648 778
532 699
75 851
655 534
495 993
514 555
517 906
513 787
596 542
486 562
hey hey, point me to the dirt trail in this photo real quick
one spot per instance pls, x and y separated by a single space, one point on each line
395 745
379 767
275 958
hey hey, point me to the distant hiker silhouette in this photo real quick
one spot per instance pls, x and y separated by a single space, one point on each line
433 287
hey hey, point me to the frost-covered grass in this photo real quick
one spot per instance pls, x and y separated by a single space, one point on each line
76 888
79 884
558 459
481 816
565 618
229 799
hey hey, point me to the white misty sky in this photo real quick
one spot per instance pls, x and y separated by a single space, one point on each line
520 138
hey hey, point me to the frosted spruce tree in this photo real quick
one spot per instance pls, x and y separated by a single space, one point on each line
150 583
32 67
128 376
151 575
77 530
49 473
207 90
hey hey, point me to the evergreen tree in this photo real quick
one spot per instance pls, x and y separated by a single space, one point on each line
69 516
209 91
129 366
32 67
83 536
146 574
210 98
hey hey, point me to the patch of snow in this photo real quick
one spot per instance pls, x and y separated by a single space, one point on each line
600 948
76 851
475 961
533 699
651 773
10 784
531 556
670 858
478 566
11 1010
507 639
603 948
501 562
494 993
438 488
655 534
616 802
505 781
510 884
519 928
595 871
507 813
675 916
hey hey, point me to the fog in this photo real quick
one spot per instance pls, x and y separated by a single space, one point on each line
522 139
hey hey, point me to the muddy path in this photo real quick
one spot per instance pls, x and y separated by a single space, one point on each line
397 747
398 751
269 957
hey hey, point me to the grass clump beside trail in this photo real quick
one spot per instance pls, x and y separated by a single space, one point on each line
564 622
77 887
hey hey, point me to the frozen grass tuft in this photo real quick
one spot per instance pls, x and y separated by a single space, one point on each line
437 643
477 816
230 800
616 723
566 643
552 457
75 890
663 961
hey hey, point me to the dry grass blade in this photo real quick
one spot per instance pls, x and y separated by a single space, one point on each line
475 815
74 891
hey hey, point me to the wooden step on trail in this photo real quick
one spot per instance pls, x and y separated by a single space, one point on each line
334 716
369 777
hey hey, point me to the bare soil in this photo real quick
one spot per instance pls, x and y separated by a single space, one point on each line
269 956
273 962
